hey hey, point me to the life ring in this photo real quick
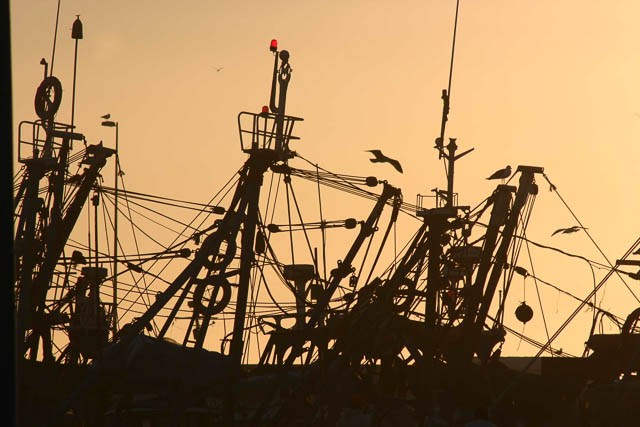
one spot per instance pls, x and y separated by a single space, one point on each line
48 98
219 261
404 294
217 282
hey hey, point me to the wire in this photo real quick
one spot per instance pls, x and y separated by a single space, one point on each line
201 207
346 183
535 281
555 189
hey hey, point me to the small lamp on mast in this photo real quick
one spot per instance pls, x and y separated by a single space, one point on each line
76 30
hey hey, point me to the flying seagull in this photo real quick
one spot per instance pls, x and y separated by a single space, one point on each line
573 229
381 158
569 230
218 69
106 116
501 174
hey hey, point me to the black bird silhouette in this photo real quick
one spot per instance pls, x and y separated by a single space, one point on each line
381 158
569 230
501 174
78 258
573 229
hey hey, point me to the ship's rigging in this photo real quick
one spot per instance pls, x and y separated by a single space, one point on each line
429 304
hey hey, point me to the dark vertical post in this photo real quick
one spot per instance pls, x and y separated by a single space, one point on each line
452 161
76 33
96 201
114 308
246 257
436 219
435 223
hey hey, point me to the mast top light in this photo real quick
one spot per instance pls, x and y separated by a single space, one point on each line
76 30
274 45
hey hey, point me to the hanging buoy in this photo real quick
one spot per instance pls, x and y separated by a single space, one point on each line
524 313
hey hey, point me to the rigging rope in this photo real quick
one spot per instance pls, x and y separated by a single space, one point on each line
555 189
560 329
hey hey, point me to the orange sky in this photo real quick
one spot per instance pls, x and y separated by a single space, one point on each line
545 83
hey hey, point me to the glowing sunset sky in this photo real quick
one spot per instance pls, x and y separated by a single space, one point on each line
546 83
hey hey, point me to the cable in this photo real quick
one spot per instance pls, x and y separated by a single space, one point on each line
555 189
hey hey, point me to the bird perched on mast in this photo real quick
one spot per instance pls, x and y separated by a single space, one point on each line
501 174
381 158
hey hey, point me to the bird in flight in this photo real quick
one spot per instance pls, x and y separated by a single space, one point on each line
381 158
218 69
501 174
569 230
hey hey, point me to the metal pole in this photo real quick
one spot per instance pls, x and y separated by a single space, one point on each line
76 33
73 97
55 38
451 157
96 200
114 309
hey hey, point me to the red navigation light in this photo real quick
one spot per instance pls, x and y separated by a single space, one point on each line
274 45
265 109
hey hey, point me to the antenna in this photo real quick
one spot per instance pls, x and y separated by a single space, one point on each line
450 154
55 36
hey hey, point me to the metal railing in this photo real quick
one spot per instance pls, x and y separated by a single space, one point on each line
260 131
32 137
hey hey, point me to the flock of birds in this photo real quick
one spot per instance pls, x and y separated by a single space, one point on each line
501 174
378 157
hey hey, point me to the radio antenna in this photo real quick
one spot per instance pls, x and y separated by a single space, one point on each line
446 94
448 153
55 36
